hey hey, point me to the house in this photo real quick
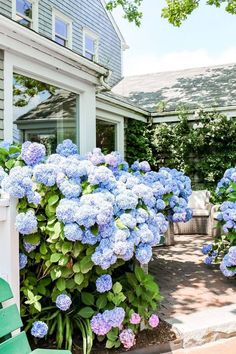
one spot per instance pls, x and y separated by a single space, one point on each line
75 46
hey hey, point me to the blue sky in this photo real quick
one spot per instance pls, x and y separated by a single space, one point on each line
208 37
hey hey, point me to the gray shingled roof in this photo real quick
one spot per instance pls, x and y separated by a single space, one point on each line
197 87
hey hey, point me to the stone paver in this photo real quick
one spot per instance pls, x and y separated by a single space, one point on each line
227 346
186 283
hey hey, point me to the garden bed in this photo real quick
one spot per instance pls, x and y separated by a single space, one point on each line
159 340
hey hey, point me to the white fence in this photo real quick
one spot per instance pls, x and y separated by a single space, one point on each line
9 244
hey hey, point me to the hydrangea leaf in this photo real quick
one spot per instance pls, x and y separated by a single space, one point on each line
86 312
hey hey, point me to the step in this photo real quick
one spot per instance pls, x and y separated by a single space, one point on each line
205 326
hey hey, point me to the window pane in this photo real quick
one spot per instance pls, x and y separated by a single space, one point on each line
61 41
89 56
106 136
49 116
89 44
61 27
24 22
24 7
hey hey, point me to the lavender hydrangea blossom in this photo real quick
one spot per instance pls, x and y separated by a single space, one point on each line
67 148
127 338
23 260
32 153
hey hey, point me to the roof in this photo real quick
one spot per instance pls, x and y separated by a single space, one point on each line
195 88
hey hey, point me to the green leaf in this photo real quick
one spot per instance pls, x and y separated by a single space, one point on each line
33 239
61 284
87 298
66 247
63 261
94 229
86 264
76 268
43 248
79 278
78 248
109 344
117 288
55 257
101 301
53 200
10 163
140 275
120 224
86 312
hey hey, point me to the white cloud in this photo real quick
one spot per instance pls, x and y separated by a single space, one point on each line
143 64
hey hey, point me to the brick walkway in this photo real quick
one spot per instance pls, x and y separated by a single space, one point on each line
186 283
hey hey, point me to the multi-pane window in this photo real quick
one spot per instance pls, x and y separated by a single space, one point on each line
24 13
62 29
90 45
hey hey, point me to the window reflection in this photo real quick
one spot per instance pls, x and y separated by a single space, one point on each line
24 10
106 135
43 113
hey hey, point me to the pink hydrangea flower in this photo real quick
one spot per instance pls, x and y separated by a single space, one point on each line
135 318
154 321
127 338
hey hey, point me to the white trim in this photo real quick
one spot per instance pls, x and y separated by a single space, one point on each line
95 37
35 13
20 40
116 28
65 19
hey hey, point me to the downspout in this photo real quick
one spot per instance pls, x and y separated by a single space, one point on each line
104 79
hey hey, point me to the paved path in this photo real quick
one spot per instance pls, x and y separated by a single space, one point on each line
186 283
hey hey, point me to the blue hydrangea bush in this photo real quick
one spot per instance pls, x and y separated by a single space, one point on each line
223 250
87 225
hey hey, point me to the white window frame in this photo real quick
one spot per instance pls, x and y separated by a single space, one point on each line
95 37
34 21
67 20
118 122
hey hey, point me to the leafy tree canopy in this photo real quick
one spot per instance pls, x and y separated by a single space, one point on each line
175 11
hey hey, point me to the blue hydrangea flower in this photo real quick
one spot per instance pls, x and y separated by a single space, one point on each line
23 260
99 325
228 264
73 232
143 253
29 247
46 174
32 153
3 174
39 329
66 210
104 283
206 249
26 223
208 260
63 302
67 148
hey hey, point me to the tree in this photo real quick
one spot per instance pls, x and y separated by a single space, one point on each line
175 11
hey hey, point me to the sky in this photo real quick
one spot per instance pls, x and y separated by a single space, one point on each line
207 37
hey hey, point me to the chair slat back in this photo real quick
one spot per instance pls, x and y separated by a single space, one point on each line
9 320
16 345
5 291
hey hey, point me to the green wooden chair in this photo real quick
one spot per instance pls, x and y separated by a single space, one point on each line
10 320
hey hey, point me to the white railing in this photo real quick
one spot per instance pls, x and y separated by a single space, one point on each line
9 244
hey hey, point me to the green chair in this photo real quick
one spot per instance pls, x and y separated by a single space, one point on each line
10 320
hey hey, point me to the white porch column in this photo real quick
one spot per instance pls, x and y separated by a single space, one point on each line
9 245
87 120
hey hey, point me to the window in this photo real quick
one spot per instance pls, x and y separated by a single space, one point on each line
62 29
25 12
90 45
44 113
106 136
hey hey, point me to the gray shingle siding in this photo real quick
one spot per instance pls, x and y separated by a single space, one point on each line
5 7
84 13
90 14
1 94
